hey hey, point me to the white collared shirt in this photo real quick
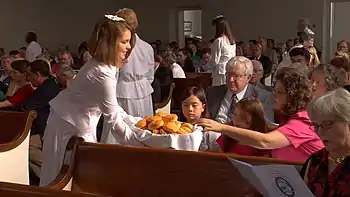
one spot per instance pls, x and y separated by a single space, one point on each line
178 72
33 51
225 105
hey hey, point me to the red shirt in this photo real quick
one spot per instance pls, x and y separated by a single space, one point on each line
21 95
243 149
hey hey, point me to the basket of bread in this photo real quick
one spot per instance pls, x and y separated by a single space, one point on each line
165 131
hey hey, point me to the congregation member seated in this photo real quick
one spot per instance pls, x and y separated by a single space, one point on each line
258 73
65 58
163 75
222 99
205 64
184 60
169 60
14 54
5 78
23 88
248 114
65 74
326 77
294 138
326 172
265 61
38 74
193 105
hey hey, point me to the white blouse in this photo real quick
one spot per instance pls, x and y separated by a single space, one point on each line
222 51
33 51
89 95
178 72
136 76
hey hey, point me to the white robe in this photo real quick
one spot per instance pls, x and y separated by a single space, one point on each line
222 51
33 51
134 90
76 111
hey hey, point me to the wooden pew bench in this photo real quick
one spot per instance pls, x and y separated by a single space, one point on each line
16 190
134 172
14 145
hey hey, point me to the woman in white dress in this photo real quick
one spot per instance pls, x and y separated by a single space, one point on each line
223 49
92 93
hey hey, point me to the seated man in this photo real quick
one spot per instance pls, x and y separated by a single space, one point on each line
38 74
258 73
221 100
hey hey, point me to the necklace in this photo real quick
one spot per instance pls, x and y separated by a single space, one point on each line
336 160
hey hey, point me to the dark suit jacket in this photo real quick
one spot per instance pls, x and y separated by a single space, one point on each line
39 101
267 65
216 94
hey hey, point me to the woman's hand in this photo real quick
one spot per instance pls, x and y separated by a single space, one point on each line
210 125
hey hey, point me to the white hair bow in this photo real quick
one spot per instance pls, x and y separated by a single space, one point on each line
219 16
114 18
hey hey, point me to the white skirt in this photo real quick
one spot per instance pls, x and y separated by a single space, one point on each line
57 134
138 107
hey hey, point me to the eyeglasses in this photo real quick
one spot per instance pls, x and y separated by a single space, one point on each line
324 125
278 92
234 76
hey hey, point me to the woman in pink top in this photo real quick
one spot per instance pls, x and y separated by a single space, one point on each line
295 138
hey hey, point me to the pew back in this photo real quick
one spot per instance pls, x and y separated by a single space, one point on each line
133 172
15 190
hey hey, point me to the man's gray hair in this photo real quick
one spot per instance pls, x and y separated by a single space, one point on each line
235 61
66 70
334 105
256 62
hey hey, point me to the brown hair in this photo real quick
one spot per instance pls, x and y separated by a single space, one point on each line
102 44
222 28
298 88
255 108
333 76
341 62
130 16
20 65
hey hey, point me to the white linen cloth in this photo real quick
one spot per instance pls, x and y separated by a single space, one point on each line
134 83
190 141
222 51
76 111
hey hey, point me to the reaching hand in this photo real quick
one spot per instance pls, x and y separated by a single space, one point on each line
210 125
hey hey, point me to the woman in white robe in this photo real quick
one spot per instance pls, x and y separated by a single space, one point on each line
223 49
77 109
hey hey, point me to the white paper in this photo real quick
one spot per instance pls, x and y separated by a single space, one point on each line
273 180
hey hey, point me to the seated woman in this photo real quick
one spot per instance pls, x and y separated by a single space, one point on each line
326 172
294 139
193 108
24 88
326 77
248 114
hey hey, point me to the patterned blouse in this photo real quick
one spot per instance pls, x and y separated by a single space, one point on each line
337 184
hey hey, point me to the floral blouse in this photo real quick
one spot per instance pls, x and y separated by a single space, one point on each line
337 184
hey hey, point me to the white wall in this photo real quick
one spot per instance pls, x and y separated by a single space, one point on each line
195 17
70 22
341 24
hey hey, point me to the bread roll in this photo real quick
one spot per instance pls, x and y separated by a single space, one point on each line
170 118
162 114
141 124
187 125
162 131
156 124
172 127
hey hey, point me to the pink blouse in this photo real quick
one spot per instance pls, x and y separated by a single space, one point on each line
304 141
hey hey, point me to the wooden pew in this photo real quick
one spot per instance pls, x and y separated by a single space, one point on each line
16 190
133 172
14 145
